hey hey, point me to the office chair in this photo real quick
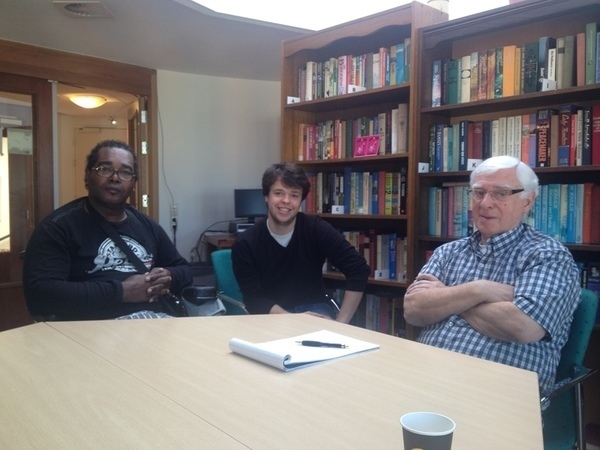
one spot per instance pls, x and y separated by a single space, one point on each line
228 288
564 426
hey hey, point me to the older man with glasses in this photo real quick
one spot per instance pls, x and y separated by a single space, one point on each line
75 268
508 292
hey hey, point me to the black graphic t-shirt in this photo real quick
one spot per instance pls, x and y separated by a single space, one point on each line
73 270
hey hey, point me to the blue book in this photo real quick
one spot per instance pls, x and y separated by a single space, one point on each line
572 212
432 210
400 78
450 150
439 147
543 217
553 211
453 82
580 188
374 192
462 144
392 257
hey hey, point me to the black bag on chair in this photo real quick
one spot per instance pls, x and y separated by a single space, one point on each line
202 301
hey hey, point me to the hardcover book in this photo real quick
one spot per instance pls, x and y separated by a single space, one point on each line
499 73
465 79
544 45
543 136
591 31
508 70
530 67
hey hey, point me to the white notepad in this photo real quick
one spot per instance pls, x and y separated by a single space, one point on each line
287 354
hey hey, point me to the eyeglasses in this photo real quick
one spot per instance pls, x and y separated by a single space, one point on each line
497 195
107 172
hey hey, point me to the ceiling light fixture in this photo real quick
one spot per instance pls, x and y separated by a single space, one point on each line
112 120
88 101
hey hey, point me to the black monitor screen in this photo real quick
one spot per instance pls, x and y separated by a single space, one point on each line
249 203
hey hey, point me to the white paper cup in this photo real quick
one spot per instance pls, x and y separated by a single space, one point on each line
427 431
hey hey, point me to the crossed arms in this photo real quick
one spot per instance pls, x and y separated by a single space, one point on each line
486 305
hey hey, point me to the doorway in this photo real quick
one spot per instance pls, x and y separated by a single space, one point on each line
80 129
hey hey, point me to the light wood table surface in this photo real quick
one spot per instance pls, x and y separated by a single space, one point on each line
173 383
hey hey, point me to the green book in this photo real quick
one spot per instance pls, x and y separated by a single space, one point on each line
530 65
591 29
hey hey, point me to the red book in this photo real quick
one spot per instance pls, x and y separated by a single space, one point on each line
543 137
595 215
595 130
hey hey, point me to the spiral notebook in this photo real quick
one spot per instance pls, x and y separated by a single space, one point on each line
289 353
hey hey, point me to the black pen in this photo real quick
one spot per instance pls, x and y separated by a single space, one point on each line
321 344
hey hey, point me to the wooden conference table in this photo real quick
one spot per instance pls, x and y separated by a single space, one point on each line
173 383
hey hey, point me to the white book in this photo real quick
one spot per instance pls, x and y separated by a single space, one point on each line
465 79
402 131
502 136
552 64
518 133
495 137
394 137
510 135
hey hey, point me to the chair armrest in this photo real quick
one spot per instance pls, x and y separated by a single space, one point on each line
232 301
581 373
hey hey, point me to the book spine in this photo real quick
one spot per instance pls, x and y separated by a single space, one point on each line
591 30
544 45
530 65
498 84
508 70
576 46
463 143
543 137
465 79
474 76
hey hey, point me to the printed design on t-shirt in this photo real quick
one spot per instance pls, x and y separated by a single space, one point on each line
110 256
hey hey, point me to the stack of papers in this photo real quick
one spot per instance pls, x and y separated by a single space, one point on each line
288 354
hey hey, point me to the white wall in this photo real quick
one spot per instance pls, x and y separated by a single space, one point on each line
215 135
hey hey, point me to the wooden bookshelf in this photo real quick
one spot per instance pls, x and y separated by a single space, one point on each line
366 35
516 24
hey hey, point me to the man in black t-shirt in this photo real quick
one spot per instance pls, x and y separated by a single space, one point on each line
73 270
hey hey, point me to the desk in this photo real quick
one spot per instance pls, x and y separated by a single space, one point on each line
174 383
220 240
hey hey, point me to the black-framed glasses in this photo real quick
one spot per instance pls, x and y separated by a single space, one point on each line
107 172
497 195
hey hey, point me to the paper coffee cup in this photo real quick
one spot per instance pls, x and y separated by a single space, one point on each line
427 431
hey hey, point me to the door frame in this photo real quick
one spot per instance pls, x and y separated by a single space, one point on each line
46 64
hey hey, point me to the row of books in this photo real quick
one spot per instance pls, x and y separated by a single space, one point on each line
357 191
546 64
567 136
386 253
335 139
378 312
347 74
567 212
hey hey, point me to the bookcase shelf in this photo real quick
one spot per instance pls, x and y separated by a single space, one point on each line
360 37
515 25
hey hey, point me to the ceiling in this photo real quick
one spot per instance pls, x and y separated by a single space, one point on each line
173 35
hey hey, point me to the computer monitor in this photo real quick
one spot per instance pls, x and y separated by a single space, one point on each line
249 203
